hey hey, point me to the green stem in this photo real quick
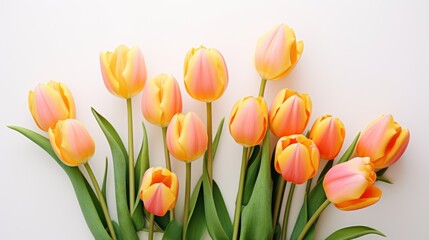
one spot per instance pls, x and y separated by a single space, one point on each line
281 184
262 87
151 220
240 194
102 201
167 161
209 143
130 155
187 196
308 187
313 219
287 210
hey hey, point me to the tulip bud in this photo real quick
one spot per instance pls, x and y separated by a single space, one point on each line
277 53
161 100
123 71
383 141
71 142
159 190
206 75
296 158
248 121
186 137
328 134
289 113
50 103
350 185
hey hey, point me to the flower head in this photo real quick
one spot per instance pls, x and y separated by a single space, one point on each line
328 134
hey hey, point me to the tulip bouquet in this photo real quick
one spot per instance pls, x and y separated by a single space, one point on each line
146 195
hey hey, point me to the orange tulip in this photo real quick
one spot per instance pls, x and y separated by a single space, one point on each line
123 71
383 141
328 134
161 100
277 53
206 75
186 137
248 121
289 113
159 190
71 142
50 103
350 185
296 158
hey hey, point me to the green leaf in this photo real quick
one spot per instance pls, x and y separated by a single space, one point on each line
251 174
120 171
197 220
162 221
317 196
256 217
96 202
384 179
325 170
353 232
173 231
117 230
103 188
83 194
381 172
224 218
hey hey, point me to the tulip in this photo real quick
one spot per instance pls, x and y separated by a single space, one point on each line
161 100
296 158
328 134
289 113
124 71
350 185
71 142
277 53
159 189
248 121
50 103
186 137
383 141
206 75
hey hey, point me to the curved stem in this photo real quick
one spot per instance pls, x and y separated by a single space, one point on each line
287 210
240 194
281 184
187 196
313 219
262 87
209 143
102 201
151 220
130 155
166 152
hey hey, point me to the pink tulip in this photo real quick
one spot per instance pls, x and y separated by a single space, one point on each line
161 100
289 113
71 142
350 185
328 134
248 122
383 141
50 103
206 75
186 137
296 158
123 71
277 53
159 190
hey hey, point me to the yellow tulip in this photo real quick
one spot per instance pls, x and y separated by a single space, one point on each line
50 103
71 142
350 185
161 100
206 75
123 71
186 137
248 121
328 134
383 141
159 189
296 158
289 113
277 53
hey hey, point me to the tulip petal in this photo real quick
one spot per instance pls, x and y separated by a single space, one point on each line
158 199
369 197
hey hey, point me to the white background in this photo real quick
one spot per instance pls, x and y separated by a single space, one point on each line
361 59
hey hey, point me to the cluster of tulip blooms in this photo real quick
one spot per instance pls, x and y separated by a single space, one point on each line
349 184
